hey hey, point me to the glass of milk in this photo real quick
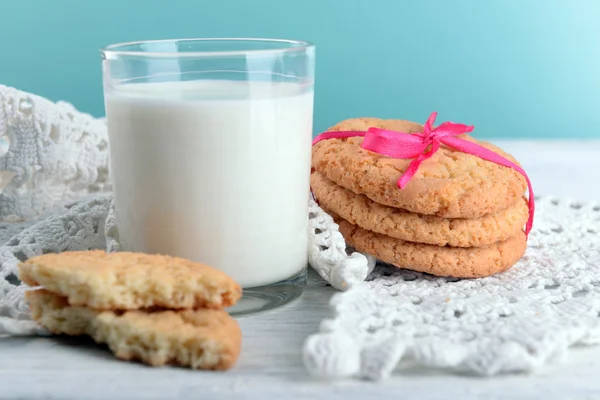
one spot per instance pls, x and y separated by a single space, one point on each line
210 144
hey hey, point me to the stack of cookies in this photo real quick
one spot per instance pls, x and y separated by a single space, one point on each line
459 216
153 308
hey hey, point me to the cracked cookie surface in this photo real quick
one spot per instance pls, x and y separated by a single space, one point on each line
451 184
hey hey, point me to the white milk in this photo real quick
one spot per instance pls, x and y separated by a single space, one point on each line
214 171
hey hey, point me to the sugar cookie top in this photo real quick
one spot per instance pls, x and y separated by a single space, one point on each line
128 281
451 184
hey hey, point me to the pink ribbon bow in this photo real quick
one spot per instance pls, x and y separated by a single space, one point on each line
403 145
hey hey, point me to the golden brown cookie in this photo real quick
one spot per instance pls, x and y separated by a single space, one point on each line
401 224
459 262
199 339
129 281
451 184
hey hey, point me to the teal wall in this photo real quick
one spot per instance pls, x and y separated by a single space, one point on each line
514 68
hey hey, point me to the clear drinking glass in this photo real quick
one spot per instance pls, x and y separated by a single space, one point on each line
210 145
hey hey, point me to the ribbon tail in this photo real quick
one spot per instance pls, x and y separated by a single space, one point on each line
529 224
414 165
430 121
410 172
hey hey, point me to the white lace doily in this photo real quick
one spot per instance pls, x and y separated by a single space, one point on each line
80 227
50 153
328 254
515 321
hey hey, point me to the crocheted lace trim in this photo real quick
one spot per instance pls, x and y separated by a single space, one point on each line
50 153
516 321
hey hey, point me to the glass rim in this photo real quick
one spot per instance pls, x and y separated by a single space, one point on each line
294 46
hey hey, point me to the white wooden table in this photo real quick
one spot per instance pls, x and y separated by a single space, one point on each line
270 365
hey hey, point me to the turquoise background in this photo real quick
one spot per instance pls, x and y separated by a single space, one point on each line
513 68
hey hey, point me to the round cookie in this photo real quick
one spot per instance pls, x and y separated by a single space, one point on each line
401 224
458 262
451 184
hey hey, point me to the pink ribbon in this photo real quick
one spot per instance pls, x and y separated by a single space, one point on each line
403 145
